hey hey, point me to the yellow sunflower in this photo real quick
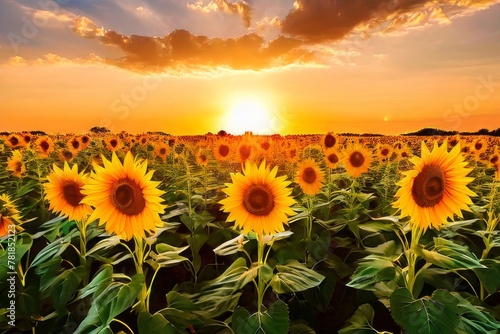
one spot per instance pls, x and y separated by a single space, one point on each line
15 164
258 200
44 146
113 143
162 150
9 215
75 145
384 152
309 177
14 141
435 189
124 197
202 158
332 157
222 150
357 160
63 191
329 140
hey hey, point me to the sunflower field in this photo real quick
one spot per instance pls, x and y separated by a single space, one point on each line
151 233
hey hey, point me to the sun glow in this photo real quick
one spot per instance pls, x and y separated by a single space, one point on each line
248 114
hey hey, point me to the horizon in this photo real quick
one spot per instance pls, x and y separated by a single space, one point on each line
287 67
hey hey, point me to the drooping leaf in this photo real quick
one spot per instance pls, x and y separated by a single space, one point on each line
438 313
272 321
360 322
293 276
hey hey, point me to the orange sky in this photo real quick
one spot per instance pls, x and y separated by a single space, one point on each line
304 67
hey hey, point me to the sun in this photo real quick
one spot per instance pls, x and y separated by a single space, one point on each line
249 114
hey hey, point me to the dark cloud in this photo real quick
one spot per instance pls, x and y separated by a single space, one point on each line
329 20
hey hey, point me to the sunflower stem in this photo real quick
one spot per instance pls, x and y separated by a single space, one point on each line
139 260
491 224
261 286
412 257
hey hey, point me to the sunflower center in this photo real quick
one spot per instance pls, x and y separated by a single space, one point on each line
72 194
329 141
309 175
333 158
14 141
18 167
75 144
67 155
223 150
356 159
385 152
265 146
127 197
44 145
245 151
113 143
85 139
163 151
478 146
494 159
258 200
428 186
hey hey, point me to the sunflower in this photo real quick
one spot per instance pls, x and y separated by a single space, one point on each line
494 158
113 143
124 197
75 145
162 150
202 158
329 140
257 200
480 146
26 137
245 151
63 191
14 141
222 150
15 164
384 152
357 160
332 157
85 141
309 177
9 214
435 189
44 146
66 155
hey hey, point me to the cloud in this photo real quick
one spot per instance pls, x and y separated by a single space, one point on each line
317 21
240 8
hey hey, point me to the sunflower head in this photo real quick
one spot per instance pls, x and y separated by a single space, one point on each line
309 177
436 188
124 197
15 164
258 200
44 146
332 157
357 160
63 191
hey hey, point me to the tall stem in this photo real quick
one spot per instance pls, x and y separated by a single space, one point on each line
412 257
139 260
261 286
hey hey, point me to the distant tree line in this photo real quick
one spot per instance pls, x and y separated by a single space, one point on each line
439 132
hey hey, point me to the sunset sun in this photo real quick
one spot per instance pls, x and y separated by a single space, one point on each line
248 114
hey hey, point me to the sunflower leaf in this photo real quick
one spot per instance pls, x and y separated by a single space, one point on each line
293 276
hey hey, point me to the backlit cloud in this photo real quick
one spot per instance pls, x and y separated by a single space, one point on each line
240 8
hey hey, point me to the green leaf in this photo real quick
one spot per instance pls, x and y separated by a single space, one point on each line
54 249
167 255
272 321
301 329
360 322
489 276
293 276
7 264
99 283
372 270
449 255
428 315
474 318
153 324
321 295
64 286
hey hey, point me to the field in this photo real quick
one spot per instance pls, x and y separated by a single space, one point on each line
150 233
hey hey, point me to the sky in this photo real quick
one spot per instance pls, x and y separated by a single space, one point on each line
188 67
